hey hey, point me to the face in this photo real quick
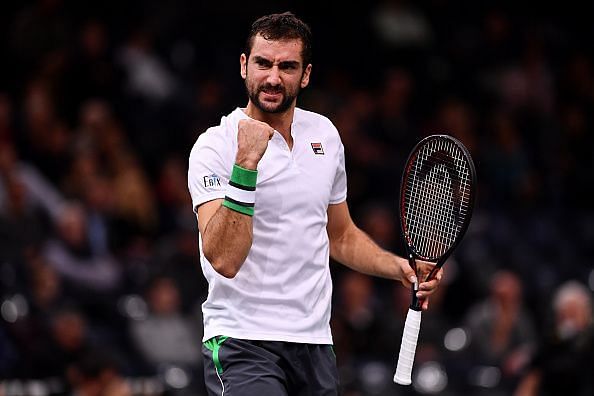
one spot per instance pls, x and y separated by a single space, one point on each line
573 316
274 74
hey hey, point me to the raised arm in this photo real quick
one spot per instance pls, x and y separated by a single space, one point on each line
226 225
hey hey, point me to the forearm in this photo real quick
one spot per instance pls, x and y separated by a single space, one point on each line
353 248
227 240
226 225
356 250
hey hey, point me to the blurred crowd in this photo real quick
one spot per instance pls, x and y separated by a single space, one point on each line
101 102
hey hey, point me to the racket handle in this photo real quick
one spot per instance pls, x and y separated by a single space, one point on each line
408 347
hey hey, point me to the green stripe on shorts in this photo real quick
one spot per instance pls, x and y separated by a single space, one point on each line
214 345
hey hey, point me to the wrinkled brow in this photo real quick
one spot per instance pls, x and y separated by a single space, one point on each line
283 65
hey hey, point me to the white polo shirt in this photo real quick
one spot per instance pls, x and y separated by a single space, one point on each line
283 290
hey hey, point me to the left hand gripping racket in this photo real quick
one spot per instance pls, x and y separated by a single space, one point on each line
436 200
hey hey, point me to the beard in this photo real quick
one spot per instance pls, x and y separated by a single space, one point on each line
288 97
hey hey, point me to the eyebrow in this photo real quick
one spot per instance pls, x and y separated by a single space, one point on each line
289 63
285 64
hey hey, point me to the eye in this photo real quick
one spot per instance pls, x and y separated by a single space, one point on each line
262 63
289 66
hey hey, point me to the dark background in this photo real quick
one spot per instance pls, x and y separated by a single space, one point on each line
101 102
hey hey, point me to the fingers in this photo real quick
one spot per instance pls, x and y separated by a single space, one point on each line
425 304
429 287
425 288
409 277
252 141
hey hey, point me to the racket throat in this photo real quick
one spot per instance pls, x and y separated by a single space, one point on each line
416 303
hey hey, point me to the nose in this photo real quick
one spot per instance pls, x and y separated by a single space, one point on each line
274 76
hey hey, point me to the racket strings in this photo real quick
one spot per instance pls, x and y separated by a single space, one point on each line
437 197
434 212
441 198
433 225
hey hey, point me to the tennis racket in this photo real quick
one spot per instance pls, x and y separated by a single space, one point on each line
436 200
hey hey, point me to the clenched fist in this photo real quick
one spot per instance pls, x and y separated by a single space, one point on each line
252 142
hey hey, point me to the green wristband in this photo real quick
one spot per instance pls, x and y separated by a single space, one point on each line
241 191
246 178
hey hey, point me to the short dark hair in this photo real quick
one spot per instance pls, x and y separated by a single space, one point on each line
279 27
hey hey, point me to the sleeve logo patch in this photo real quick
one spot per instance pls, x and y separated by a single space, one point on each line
211 181
317 148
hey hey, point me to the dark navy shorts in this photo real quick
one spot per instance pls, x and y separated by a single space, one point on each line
235 367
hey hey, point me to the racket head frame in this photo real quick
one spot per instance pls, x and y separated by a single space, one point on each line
410 249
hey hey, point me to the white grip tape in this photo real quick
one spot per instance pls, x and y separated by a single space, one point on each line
408 347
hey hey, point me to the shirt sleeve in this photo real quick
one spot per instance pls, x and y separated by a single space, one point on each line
339 187
208 169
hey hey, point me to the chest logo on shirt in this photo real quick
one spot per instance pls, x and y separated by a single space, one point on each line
317 148
211 181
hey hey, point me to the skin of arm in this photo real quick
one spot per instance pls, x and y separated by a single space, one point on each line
350 246
226 237
226 234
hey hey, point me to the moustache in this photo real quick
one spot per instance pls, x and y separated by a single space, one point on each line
271 89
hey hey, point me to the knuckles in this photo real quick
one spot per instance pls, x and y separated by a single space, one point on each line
255 128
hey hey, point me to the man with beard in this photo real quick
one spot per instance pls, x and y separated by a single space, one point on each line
268 186
564 361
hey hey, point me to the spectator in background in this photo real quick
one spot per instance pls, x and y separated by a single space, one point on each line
92 73
100 130
22 226
147 75
46 139
564 363
379 220
135 210
177 251
165 335
32 331
356 319
151 87
171 192
96 373
357 327
91 278
398 24
456 117
394 124
87 275
27 204
37 193
507 164
528 86
70 339
501 331
38 29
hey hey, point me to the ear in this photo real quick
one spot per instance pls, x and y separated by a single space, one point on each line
305 78
243 65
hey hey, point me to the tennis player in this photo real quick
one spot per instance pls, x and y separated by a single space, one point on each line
269 189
